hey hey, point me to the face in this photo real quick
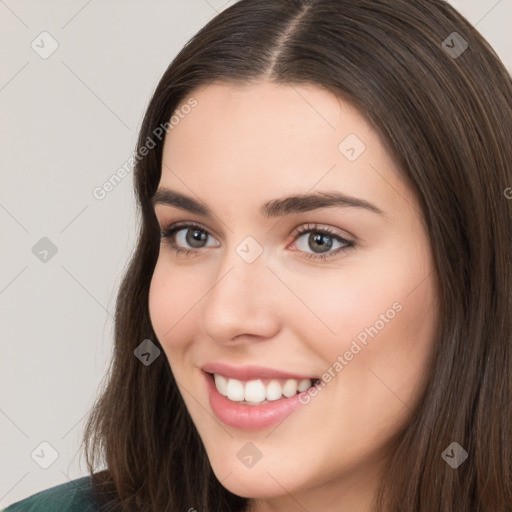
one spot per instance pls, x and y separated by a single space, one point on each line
315 316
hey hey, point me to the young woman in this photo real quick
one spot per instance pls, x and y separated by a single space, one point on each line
317 316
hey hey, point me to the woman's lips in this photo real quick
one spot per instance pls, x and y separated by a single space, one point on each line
250 372
249 417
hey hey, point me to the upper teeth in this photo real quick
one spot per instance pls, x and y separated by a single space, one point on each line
255 391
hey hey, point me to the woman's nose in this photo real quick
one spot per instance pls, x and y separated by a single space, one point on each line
245 299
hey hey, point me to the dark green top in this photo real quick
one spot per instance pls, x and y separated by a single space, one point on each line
72 496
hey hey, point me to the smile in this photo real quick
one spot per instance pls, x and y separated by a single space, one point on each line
259 391
257 403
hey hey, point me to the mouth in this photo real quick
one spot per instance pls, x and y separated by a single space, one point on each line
258 392
251 397
258 403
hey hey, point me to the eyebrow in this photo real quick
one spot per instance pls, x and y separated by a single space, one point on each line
274 208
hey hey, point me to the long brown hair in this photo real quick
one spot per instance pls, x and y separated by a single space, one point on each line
444 113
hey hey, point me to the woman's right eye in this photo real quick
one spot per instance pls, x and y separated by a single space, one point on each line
185 234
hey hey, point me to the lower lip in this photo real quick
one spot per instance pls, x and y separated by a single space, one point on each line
249 417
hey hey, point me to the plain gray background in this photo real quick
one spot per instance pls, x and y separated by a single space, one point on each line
68 122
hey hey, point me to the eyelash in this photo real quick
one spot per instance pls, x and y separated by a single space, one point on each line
168 233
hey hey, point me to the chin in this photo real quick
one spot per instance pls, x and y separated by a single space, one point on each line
263 480
252 486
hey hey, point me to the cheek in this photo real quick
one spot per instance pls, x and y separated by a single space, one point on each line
408 347
172 296
389 294
386 349
341 305
381 320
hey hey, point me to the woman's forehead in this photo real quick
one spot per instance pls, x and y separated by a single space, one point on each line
272 140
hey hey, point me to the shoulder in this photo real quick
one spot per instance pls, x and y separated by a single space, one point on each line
73 496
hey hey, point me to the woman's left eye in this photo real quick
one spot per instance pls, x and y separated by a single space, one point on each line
194 235
323 238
